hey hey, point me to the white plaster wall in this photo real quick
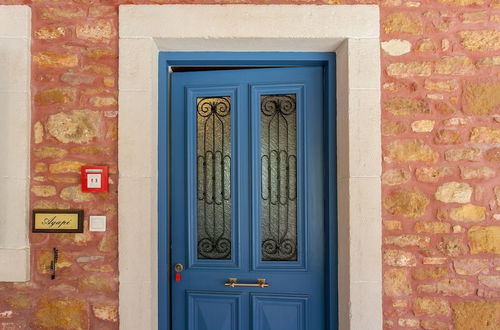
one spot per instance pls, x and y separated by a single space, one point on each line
15 32
352 32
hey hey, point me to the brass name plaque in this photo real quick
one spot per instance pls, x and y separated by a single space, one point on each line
57 221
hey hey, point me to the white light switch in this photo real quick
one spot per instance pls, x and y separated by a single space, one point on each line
97 223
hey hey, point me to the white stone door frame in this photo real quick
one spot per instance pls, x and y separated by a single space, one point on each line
15 125
350 31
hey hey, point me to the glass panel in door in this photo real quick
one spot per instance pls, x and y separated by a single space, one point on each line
213 150
278 141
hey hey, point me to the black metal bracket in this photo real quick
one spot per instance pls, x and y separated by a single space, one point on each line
53 263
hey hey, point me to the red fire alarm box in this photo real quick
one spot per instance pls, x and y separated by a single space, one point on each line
95 178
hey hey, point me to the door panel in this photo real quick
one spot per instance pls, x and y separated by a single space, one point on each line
216 310
213 169
269 311
278 172
247 199
278 125
210 183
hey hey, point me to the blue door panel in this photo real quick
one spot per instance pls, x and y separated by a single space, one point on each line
213 310
295 298
192 93
279 312
257 91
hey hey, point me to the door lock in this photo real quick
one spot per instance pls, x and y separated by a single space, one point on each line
178 268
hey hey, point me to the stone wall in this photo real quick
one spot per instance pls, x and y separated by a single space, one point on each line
74 97
441 148
441 192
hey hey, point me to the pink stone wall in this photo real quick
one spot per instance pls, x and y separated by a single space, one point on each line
74 97
441 154
441 132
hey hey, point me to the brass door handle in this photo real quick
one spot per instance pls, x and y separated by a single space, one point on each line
233 282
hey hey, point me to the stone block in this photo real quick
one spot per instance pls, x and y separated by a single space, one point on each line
38 132
392 127
488 134
455 287
480 40
454 192
101 31
492 155
481 97
430 306
477 314
399 258
50 32
401 22
409 69
106 312
452 246
396 282
407 203
441 85
66 166
468 213
76 126
77 78
408 240
490 281
53 312
55 60
43 190
395 177
392 225
462 2
456 65
61 13
98 101
432 227
396 47
434 325
406 106
484 239
49 152
430 273
55 96
432 174
478 173
422 126
447 136
75 194
468 154
409 150
470 266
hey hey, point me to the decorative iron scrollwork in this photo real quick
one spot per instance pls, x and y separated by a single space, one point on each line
214 177
209 106
279 177
272 104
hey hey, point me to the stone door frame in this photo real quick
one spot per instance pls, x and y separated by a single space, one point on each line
350 31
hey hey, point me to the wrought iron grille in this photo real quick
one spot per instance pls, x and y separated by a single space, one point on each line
214 177
279 177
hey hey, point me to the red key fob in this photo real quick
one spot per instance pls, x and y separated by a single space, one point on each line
178 269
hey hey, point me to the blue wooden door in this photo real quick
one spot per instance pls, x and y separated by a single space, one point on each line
248 241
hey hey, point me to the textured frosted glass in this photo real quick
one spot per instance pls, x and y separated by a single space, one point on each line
214 177
278 136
